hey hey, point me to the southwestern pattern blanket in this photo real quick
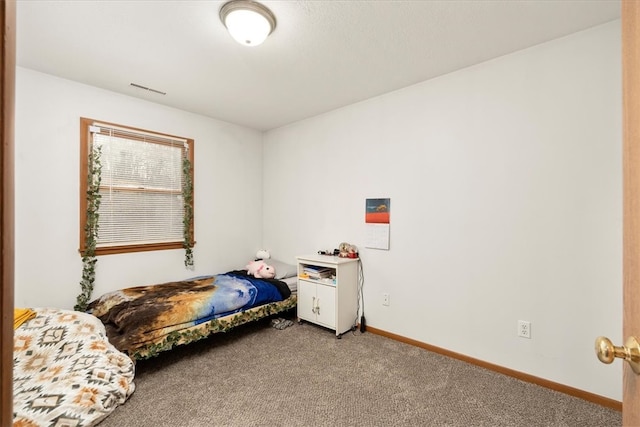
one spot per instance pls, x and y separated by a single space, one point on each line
144 316
65 372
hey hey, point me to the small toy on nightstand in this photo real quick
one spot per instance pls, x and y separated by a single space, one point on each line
347 250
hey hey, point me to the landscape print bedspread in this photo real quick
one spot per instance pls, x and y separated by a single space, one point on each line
134 317
65 371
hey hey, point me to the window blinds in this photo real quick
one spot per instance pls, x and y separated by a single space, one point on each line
141 187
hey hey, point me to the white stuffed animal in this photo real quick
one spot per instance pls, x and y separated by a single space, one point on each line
259 269
263 254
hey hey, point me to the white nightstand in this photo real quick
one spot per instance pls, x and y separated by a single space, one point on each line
330 298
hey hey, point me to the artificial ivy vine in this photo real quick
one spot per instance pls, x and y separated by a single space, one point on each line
94 176
187 196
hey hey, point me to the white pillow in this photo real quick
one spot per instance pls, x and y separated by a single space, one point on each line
283 270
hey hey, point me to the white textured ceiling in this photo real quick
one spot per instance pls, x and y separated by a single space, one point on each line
323 54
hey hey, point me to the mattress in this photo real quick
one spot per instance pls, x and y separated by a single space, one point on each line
292 283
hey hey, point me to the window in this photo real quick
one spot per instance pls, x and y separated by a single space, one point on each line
141 206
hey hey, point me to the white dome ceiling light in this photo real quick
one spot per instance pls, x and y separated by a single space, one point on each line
248 22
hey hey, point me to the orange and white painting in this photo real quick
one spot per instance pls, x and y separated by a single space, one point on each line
378 211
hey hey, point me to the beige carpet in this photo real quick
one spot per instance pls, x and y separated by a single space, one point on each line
303 376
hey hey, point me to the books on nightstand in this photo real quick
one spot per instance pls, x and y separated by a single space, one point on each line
316 272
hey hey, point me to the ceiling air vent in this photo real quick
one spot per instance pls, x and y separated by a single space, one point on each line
148 88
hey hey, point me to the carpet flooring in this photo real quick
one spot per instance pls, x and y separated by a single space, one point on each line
302 375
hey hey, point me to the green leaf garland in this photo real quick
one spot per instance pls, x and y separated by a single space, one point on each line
187 195
94 177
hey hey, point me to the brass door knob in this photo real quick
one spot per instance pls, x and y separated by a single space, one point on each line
630 352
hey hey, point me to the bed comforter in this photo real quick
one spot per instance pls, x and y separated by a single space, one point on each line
65 371
144 320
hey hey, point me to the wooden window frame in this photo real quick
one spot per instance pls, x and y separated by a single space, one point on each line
85 142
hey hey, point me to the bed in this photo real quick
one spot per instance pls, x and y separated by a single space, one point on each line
144 321
65 371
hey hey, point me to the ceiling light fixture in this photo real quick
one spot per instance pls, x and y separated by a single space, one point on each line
248 22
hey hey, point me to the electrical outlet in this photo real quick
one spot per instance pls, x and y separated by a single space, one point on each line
385 299
524 329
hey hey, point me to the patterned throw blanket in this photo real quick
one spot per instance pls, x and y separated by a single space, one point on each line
134 317
65 371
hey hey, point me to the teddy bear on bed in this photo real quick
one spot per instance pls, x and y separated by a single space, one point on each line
260 270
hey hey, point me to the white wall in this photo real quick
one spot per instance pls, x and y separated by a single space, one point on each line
505 186
228 171
505 182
